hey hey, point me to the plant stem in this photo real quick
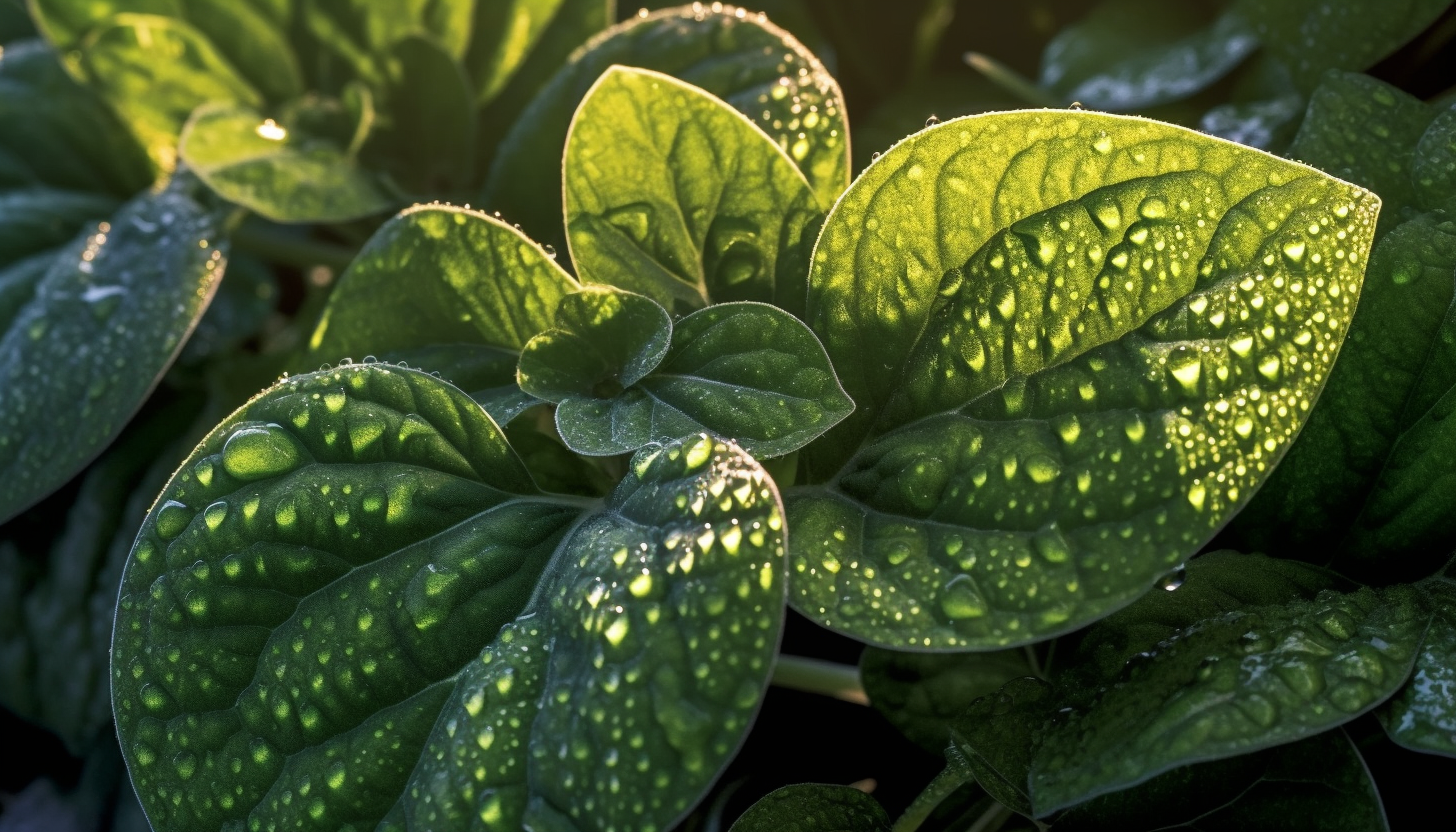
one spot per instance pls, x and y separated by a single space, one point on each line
951 778
928 32
275 244
1011 80
994 818
840 681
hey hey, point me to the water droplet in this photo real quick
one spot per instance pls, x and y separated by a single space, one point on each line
172 519
260 451
932 121
1294 251
1153 208
959 599
1175 578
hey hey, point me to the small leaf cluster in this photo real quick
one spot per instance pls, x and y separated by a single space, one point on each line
1119 446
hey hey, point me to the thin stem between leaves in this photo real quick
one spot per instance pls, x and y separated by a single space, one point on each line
1010 80
840 681
951 778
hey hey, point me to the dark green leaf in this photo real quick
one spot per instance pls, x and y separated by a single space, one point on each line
1313 785
441 275
486 374
812 807
1264 107
364 32
1133 54
15 22
428 143
1230 684
240 310
35 219
673 194
1352 464
1434 165
103 324
278 173
740 60
1422 715
922 693
907 111
59 133
744 370
602 341
378 608
997 736
155 71
1106 322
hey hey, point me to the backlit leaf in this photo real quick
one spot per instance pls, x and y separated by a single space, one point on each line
1077 343
673 194
601 341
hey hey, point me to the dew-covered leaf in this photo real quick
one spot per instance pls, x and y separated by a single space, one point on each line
1076 343
279 173
814 807
744 370
673 194
437 274
753 65
376 606
1422 715
1365 131
1434 165
601 341
94 333
1228 685
155 71
1312 785
1365 484
486 374
996 738
58 133
922 693
1132 54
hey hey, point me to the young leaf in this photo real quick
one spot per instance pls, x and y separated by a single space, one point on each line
1350 467
1315 784
673 194
155 71
742 60
921 694
1422 715
1132 54
102 325
438 274
1229 685
504 34
813 807
1105 321
744 370
275 171
602 341
377 606
1434 165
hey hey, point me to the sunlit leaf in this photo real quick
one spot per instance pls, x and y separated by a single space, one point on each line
673 194
601 341
1077 343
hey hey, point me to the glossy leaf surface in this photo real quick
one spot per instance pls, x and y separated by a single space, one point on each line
1315 784
741 60
440 275
813 807
1092 338
85 345
352 586
748 371
672 194
276 172
1422 715
602 340
997 737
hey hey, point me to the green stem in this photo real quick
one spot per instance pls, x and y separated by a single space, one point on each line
993 819
928 32
275 244
1010 80
840 681
951 778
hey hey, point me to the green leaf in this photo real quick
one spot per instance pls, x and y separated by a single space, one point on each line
504 35
1434 165
66 22
1365 131
428 143
740 60
35 219
744 370
274 171
1133 54
60 133
1106 321
1234 683
814 807
105 321
1364 484
1315 784
486 374
602 341
364 32
380 609
249 35
1422 715
673 194
921 694
437 274
997 737
155 71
